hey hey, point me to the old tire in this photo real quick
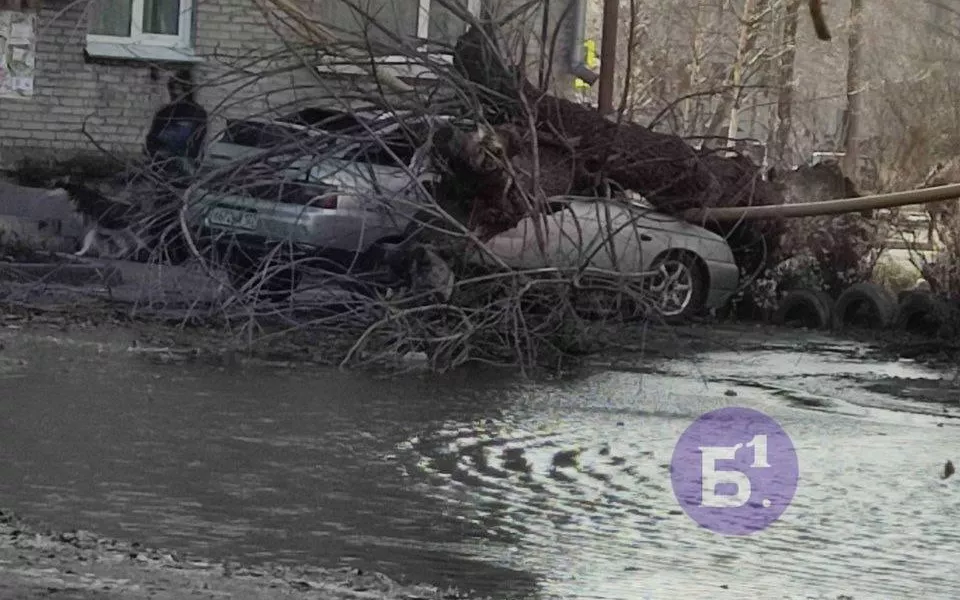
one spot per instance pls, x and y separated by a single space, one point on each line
812 309
865 305
922 313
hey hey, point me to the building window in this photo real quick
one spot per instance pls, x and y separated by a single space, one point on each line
383 21
417 21
147 22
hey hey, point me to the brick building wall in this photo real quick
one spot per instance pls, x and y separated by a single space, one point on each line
114 100
82 103
67 91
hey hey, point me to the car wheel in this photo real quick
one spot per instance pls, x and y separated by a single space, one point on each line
269 281
866 305
604 303
281 282
675 290
812 309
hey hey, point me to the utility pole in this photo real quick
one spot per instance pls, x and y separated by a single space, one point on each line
608 56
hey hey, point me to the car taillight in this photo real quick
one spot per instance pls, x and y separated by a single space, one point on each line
325 201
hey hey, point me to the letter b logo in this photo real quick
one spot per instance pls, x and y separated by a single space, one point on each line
734 471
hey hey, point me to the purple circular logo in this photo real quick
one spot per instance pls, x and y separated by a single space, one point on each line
734 471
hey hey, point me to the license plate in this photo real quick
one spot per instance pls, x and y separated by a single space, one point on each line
228 217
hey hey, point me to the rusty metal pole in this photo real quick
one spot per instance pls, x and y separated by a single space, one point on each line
827 207
608 56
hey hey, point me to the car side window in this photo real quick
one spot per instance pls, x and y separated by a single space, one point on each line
389 154
257 135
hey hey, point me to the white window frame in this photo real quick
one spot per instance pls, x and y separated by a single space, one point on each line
184 39
398 64
423 17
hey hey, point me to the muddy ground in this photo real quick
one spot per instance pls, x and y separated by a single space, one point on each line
171 307
80 565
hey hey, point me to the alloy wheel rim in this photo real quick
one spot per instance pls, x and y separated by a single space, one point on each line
672 287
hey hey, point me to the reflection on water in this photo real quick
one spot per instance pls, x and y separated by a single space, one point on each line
871 518
474 479
255 466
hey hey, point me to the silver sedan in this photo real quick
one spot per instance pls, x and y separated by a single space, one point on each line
679 269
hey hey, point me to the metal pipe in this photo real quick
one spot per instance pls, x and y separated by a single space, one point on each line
828 207
608 56
544 37
578 64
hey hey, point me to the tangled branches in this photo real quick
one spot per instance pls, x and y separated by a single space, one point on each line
835 250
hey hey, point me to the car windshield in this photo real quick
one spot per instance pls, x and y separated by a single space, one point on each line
358 136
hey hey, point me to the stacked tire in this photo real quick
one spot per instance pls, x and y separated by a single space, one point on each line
865 305
923 313
811 309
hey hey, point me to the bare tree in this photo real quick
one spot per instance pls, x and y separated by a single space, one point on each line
851 141
786 83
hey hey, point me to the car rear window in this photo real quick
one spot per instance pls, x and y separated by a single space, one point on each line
325 119
387 153
402 144
393 149
259 135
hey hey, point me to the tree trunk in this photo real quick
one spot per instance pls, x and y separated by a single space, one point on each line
736 79
691 116
590 151
748 41
852 117
786 84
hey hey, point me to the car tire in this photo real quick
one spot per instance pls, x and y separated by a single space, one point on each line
282 283
684 269
922 313
243 269
600 303
812 308
877 304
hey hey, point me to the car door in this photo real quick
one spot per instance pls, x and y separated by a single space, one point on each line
617 236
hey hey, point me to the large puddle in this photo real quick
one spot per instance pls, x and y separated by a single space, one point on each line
516 489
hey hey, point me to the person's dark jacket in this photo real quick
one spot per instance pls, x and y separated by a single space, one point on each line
178 129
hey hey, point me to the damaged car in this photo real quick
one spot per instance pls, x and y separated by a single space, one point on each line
353 187
319 185
624 255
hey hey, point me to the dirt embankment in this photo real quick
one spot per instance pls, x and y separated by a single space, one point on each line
81 566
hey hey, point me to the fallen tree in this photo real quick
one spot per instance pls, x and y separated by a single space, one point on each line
577 151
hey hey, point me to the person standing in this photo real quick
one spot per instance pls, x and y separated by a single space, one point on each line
179 129
173 147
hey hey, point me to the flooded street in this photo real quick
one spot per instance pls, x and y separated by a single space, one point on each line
513 488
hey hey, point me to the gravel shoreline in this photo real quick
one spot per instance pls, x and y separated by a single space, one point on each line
79 565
